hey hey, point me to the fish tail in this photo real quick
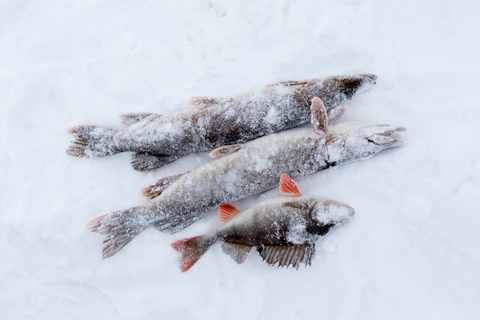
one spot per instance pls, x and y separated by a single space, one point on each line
93 141
192 249
120 227
146 162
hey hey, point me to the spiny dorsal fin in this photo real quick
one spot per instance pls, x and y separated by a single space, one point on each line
225 150
156 189
129 119
335 113
319 116
238 252
206 101
289 187
287 255
227 212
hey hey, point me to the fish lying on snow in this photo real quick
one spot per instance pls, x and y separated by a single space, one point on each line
283 230
243 170
162 139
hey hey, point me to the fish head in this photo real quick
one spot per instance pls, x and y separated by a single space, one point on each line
327 214
350 140
336 90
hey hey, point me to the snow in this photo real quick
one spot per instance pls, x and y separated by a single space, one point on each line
411 251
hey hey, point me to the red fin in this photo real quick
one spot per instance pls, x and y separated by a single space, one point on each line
225 150
191 249
181 245
226 212
288 186
319 116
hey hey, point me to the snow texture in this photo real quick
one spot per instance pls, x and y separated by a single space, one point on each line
412 251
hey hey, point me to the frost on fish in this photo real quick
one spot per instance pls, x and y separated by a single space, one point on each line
216 122
283 230
254 168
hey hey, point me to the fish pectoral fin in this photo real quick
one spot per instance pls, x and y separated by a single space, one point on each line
335 113
319 116
236 251
227 212
207 101
129 119
225 150
288 186
143 162
156 189
288 255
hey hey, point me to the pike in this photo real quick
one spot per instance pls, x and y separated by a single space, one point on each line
283 230
214 122
242 170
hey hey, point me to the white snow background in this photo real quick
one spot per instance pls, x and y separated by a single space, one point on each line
411 252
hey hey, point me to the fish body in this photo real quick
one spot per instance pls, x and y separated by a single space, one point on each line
255 167
215 122
283 230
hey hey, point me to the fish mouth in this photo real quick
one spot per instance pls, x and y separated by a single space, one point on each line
358 83
382 136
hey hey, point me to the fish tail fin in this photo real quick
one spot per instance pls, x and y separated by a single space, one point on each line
146 162
192 249
93 141
120 227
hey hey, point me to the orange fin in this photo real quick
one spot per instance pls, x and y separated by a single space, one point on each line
226 212
288 186
191 249
319 116
156 189
225 150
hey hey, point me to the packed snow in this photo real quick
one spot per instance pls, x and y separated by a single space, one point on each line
411 251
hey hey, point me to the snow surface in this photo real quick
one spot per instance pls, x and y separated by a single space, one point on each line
412 251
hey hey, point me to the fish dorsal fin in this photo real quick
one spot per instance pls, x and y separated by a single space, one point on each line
289 187
335 113
226 212
289 83
287 255
225 150
319 116
129 119
206 101
238 252
161 185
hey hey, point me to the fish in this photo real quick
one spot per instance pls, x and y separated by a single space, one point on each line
238 171
283 230
158 140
